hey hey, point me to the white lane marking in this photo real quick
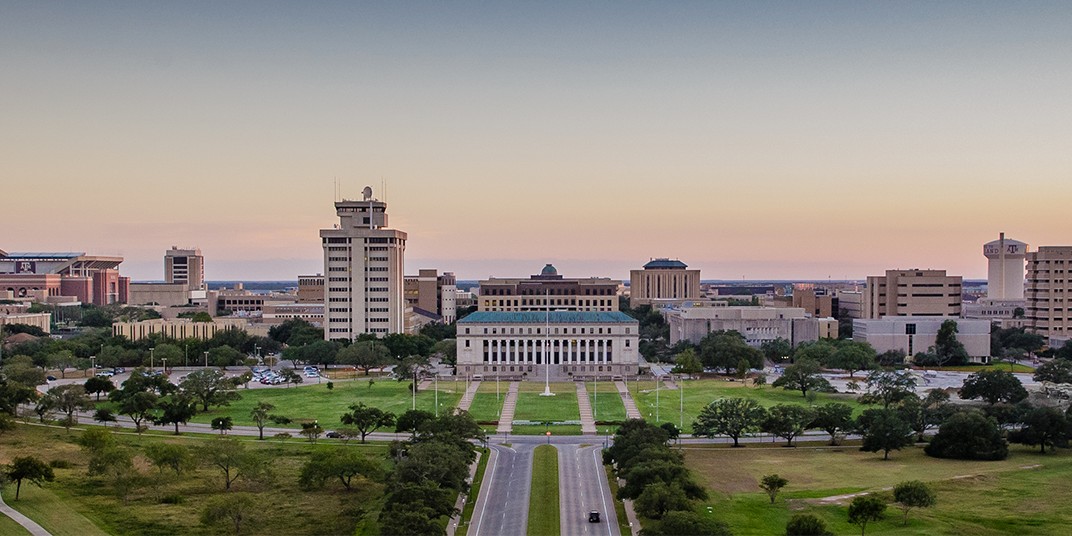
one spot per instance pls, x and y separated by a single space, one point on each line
602 479
494 463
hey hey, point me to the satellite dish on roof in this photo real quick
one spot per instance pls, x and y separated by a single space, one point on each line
367 192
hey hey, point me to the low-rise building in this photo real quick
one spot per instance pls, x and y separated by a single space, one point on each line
180 328
549 290
42 321
574 344
913 293
757 324
663 282
912 335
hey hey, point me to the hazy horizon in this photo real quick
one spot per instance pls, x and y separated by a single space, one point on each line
774 140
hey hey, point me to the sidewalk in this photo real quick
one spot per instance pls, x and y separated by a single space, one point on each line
631 411
588 423
506 421
467 398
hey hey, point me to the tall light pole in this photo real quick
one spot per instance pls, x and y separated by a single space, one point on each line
186 356
164 359
93 364
657 382
547 349
151 363
681 407
437 394
206 359
595 405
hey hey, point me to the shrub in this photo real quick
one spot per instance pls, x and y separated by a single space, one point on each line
806 525
59 464
172 498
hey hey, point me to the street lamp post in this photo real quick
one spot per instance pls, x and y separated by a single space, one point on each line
437 394
206 359
164 359
93 364
151 363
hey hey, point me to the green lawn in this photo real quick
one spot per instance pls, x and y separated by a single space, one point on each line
9 526
544 514
474 491
45 506
606 403
561 407
1026 494
485 407
317 402
698 393
536 429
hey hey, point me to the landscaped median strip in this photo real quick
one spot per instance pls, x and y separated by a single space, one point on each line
544 513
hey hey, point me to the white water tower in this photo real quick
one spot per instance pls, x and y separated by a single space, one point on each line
1005 269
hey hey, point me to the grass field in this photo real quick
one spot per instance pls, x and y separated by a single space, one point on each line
316 402
474 491
699 393
8 526
533 407
80 505
536 429
1026 494
606 403
544 514
485 407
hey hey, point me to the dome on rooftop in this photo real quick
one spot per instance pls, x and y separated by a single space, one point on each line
549 270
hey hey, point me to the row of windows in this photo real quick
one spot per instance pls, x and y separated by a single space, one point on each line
338 279
378 320
378 310
376 279
377 289
511 291
338 268
338 259
338 249
378 300
339 289
565 331
339 310
382 259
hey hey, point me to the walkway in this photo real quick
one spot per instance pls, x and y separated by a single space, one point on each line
27 523
506 420
588 423
467 398
631 411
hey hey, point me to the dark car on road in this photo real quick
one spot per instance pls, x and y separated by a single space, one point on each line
593 517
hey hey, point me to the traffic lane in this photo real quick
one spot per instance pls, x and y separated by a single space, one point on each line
503 504
583 488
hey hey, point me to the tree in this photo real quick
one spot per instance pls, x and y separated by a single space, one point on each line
225 356
804 376
772 484
993 386
885 430
687 362
410 369
660 498
169 456
173 354
138 406
806 525
210 387
913 494
787 421
923 414
725 349
233 508
1044 427
12 394
864 509
412 420
20 369
833 418
97 385
820 351
175 409
853 356
341 464
887 387
968 435
311 431
68 399
365 355
447 350
891 358
233 460
1055 370
401 345
222 424
776 350
261 414
61 360
30 469
946 346
733 417
367 419
104 416
291 377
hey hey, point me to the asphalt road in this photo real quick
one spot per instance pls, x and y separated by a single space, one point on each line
583 488
503 505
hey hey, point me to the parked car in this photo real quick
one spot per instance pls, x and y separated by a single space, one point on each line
119 370
333 434
105 374
50 378
311 374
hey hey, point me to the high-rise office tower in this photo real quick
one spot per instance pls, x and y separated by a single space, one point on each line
1049 291
363 271
185 266
1005 268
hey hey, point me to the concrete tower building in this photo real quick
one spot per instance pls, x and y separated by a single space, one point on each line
363 271
185 266
1005 268
1049 290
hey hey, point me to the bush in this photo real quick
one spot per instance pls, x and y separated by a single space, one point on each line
806 525
968 435
172 498
59 464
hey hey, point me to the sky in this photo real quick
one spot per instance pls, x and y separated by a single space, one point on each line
757 140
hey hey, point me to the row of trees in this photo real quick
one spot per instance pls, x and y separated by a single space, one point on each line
863 509
658 481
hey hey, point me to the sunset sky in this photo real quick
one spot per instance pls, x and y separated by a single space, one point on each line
796 140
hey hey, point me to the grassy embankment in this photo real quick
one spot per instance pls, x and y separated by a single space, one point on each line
164 503
544 514
1026 494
